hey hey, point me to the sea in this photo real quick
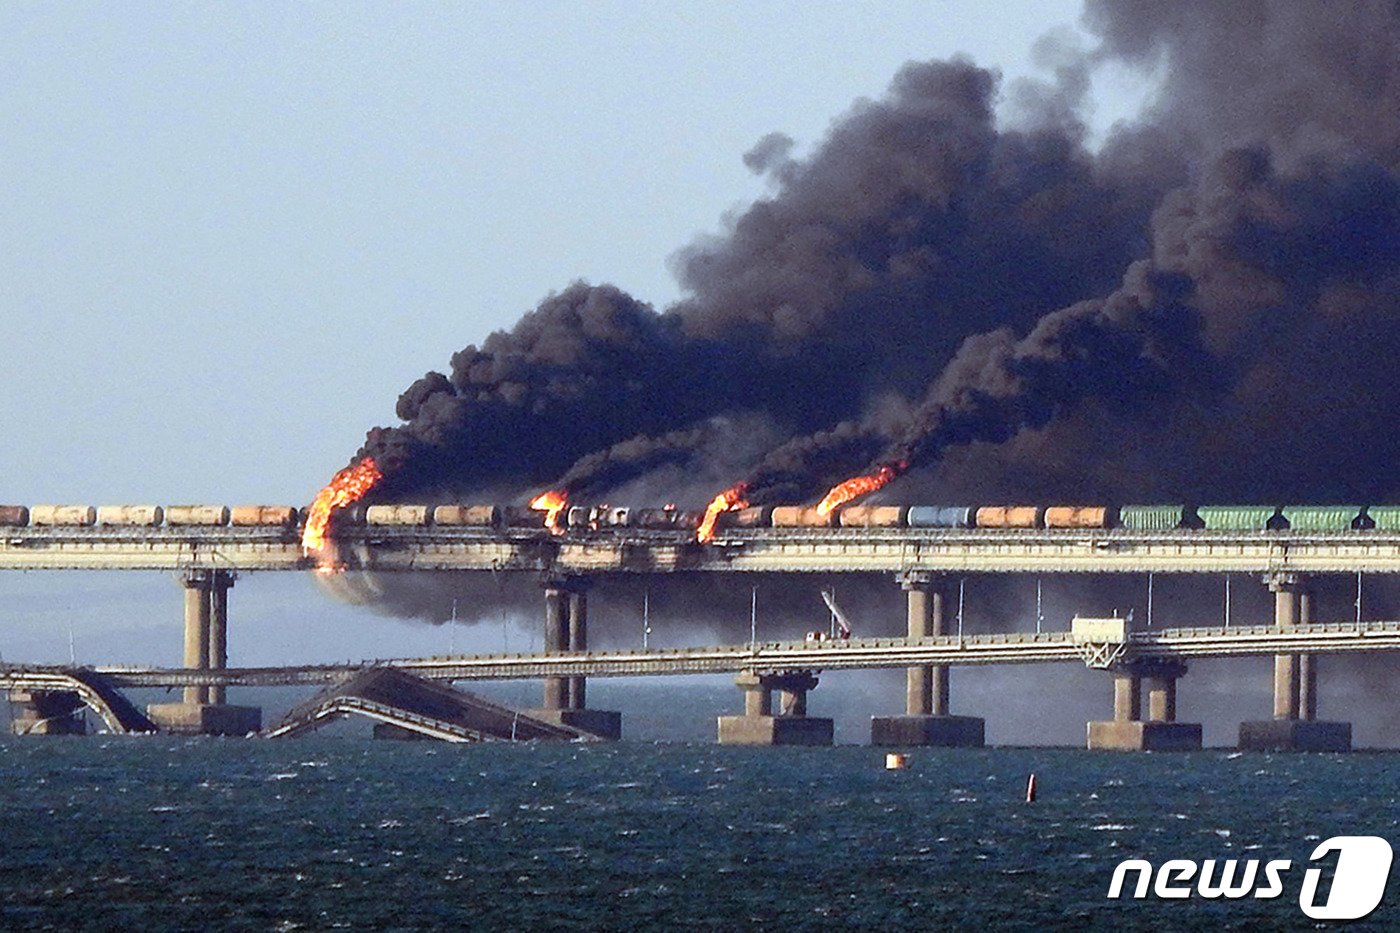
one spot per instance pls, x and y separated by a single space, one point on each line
338 831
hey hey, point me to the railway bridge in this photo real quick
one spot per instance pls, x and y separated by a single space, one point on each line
920 560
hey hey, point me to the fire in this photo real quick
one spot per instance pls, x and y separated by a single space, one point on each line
347 486
551 503
859 486
727 501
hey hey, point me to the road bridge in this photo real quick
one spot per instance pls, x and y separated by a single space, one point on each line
1181 644
1157 656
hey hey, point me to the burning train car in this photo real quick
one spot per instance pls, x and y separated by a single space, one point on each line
605 518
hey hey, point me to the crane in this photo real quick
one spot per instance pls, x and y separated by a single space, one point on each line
843 625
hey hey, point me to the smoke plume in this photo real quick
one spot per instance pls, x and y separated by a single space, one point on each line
1203 307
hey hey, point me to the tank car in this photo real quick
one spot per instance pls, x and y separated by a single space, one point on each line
1080 516
873 516
1010 516
940 516
62 515
130 515
801 516
467 515
262 515
196 514
400 515
14 516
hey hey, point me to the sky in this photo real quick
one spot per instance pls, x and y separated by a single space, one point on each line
231 234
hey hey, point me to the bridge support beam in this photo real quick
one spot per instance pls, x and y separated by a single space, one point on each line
46 712
566 630
1159 732
556 641
203 710
1294 726
926 719
759 726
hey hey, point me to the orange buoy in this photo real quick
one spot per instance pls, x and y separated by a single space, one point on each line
894 761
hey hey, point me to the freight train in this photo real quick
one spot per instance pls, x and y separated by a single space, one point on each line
585 519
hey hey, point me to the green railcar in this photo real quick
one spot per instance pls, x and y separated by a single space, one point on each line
1152 517
1236 517
1384 517
1321 517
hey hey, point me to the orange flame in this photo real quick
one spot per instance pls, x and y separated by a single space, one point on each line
859 486
347 486
727 501
551 503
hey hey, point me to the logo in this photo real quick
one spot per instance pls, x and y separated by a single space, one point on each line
1358 880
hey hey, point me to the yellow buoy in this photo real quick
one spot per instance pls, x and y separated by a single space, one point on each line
894 761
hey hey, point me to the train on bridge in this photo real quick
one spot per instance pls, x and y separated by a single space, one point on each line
599 518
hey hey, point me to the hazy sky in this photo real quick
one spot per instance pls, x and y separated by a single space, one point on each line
233 233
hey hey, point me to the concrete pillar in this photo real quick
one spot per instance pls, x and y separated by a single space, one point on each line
758 694
1161 699
794 702
926 685
197 609
926 720
1307 664
1294 726
556 640
1285 589
1159 732
758 725
1127 696
222 582
578 641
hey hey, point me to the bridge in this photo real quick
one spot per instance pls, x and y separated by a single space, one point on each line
921 559
754 550
1179 644
397 692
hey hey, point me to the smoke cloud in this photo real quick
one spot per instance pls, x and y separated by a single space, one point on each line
1201 308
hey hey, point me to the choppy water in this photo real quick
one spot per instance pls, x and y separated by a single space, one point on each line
158 833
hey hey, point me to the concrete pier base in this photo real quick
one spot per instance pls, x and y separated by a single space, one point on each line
604 723
205 718
1295 735
941 731
1137 736
46 712
775 730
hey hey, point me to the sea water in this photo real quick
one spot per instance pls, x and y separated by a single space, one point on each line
153 833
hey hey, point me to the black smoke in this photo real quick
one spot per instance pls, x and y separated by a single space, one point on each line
1203 307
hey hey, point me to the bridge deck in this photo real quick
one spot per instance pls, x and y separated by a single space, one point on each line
784 550
1013 648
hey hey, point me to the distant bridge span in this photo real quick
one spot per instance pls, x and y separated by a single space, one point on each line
759 550
857 653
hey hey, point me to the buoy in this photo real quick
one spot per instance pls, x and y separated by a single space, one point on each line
896 762
1030 789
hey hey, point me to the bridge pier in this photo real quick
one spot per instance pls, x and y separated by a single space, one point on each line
203 710
46 712
1127 730
926 719
1294 726
566 630
759 726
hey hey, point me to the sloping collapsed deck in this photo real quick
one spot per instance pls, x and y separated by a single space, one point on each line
432 710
